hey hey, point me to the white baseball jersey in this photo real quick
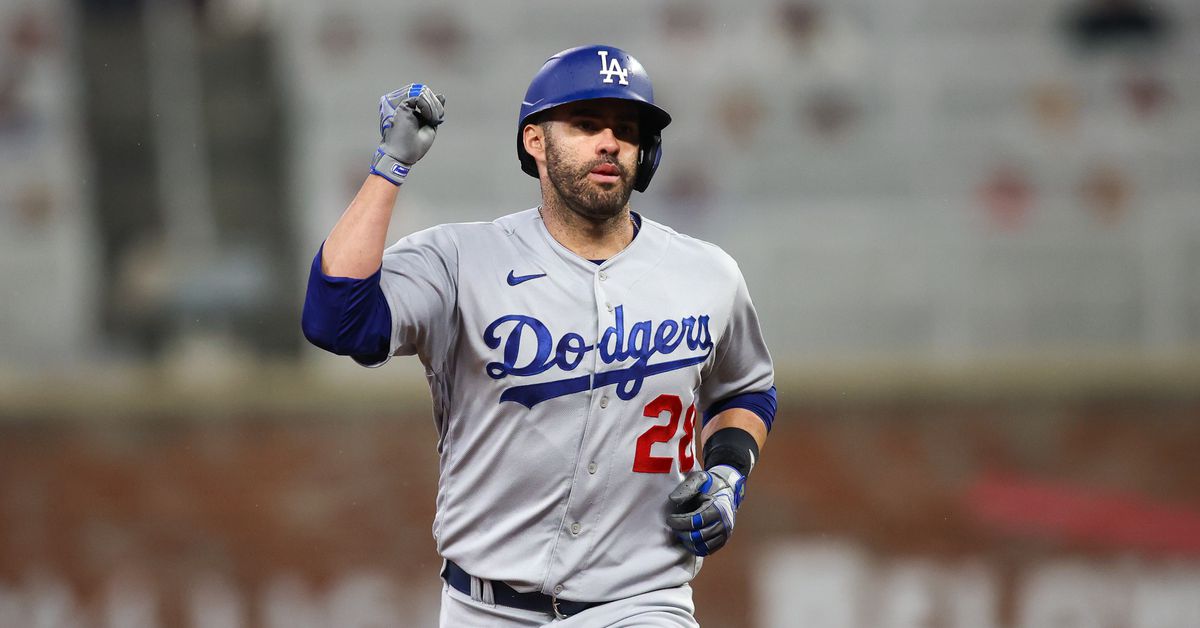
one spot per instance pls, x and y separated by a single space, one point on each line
566 393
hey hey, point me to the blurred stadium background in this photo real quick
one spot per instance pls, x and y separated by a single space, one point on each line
970 227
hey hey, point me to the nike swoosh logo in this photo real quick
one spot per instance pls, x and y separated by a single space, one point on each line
514 280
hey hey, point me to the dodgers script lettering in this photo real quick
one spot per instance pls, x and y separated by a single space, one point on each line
643 341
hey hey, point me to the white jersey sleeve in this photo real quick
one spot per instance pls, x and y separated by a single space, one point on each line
419 279
741 362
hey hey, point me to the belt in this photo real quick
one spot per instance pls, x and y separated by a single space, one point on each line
507 596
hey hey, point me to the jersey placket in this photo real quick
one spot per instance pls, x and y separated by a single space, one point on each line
591 474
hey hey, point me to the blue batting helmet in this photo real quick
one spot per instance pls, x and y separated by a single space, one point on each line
591 72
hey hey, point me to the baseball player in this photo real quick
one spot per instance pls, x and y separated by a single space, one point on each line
573 351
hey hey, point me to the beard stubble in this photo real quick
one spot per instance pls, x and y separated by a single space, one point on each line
591 201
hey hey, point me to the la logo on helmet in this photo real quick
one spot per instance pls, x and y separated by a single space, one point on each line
610 69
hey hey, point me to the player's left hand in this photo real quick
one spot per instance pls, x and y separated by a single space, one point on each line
704 507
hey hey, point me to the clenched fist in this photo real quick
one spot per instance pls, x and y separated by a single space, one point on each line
408 122
704 507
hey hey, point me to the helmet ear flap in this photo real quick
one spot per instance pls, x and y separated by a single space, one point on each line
648 156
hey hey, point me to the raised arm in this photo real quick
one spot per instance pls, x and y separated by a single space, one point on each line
345 309
408 121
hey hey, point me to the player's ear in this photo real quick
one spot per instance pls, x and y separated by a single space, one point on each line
534 137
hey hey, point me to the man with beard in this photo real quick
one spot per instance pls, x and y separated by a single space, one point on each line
573 351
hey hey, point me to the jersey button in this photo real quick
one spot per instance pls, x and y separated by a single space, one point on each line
575 528
608 306
558 588
603 275
604 401
592 468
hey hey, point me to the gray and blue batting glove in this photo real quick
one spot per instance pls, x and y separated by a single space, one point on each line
408 122
704 508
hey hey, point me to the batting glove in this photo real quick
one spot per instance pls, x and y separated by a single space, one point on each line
408 121
705 506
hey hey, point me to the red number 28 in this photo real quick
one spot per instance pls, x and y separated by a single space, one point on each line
643 460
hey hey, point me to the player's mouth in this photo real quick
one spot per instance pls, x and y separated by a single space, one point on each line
605 173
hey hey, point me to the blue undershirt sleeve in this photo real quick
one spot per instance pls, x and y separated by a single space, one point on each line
347 316
762 404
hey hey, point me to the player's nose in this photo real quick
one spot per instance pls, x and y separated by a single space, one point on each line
606 142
